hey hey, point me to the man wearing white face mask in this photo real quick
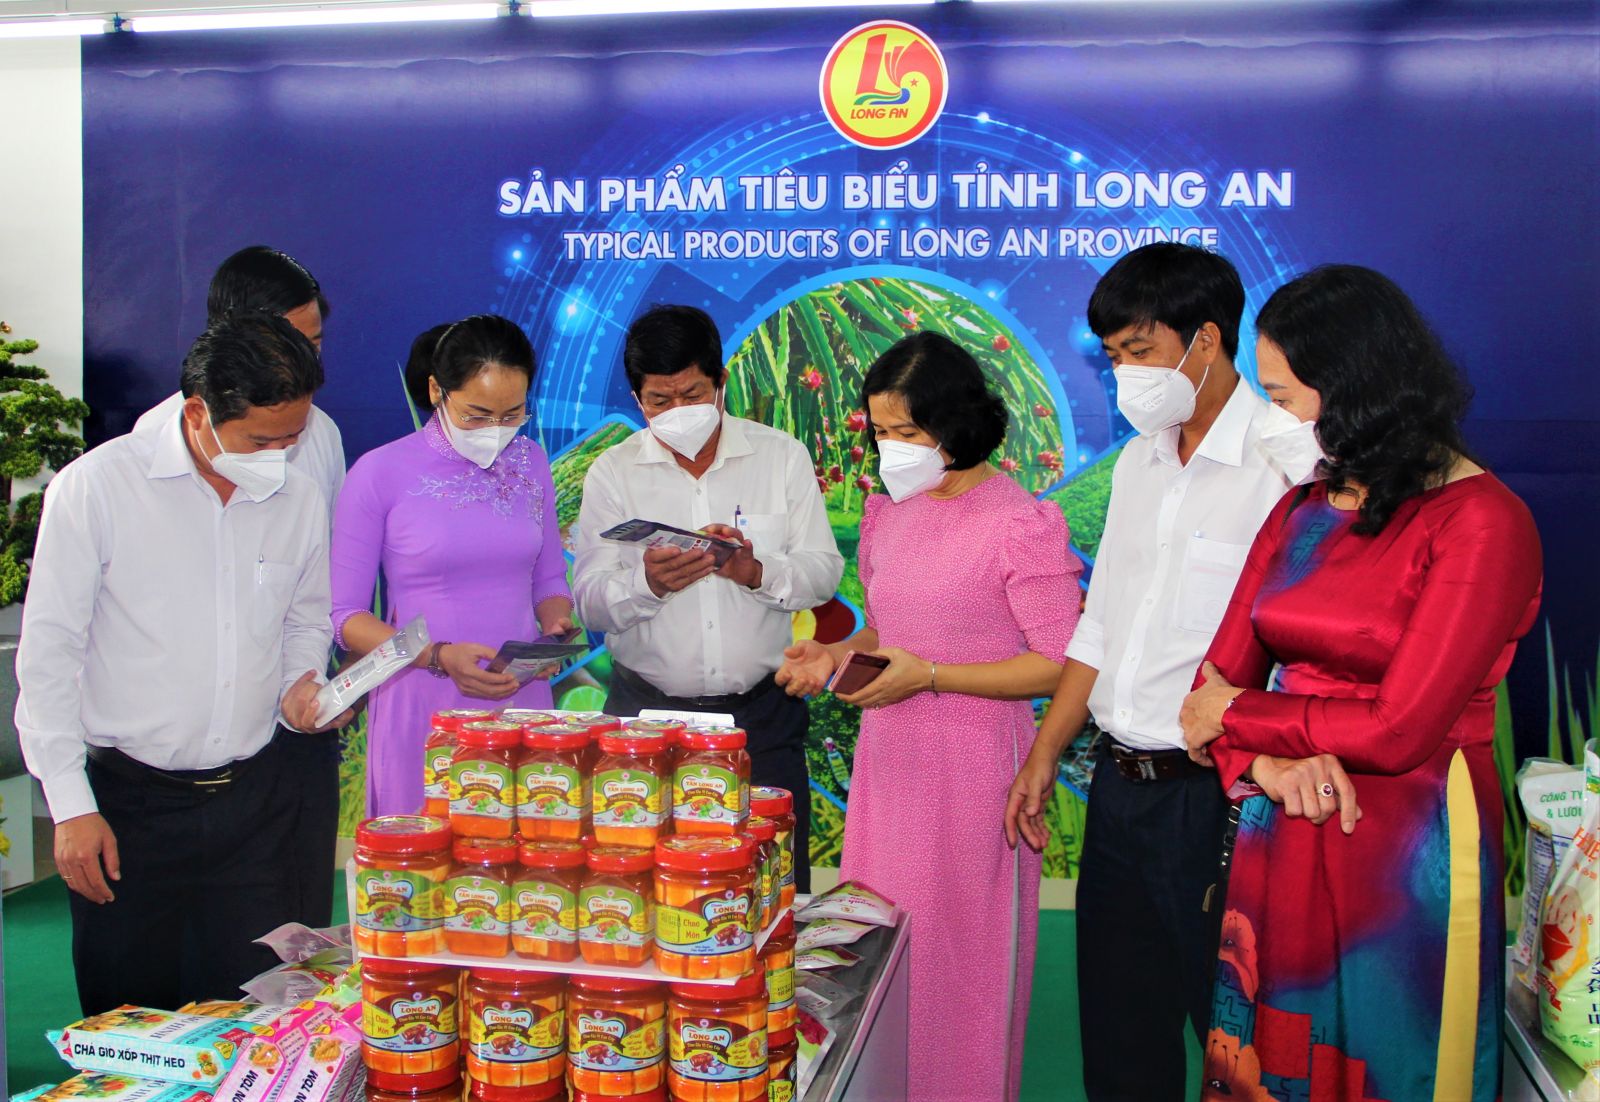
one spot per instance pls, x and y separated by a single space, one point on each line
685 634
1187 497
178 605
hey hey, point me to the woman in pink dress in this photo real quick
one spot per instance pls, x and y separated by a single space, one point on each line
971 593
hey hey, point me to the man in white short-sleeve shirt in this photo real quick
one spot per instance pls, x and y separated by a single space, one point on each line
1187 497
684 634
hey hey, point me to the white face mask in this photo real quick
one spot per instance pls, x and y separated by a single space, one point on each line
1156 398
685 429
1291 445
481 446
909 469
257 475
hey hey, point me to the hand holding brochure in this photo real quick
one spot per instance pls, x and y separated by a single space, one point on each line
651 533
374 668
526 661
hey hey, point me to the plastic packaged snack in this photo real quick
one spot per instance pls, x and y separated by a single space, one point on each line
262 1069
156 1044
329 1068
294 942
851 900
100 1086
289 984
1569 938
815 960
831 931
1552 799
371 670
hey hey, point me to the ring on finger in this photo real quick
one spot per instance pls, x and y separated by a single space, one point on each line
1326 790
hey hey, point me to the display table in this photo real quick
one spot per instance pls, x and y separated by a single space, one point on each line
867 1062
1535 1069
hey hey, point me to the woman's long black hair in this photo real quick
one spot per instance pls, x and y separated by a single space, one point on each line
1392 400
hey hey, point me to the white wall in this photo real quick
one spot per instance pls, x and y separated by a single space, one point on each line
41 202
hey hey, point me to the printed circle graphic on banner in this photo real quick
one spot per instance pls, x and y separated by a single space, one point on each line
884 84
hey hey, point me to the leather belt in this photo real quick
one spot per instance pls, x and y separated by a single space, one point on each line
132 769
1143 766
727 702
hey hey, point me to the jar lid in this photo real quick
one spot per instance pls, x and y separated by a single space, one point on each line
620 859
743 988
705 852
613 983
543 853
528 717
761 828
595 721
672 728
635 742
713 738
404 834
522 977
491 734
771 801
485 851
555 736
392 968
451 719
781 1039
489 1092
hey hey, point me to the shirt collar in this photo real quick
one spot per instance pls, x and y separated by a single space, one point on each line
1224 440
169 451
733 443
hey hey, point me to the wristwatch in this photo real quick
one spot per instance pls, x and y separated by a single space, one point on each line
433 661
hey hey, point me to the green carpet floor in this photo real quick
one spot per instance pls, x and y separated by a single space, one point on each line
40 995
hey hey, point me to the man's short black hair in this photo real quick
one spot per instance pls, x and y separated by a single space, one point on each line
262 278
250 359
946 394
665 340
1179 286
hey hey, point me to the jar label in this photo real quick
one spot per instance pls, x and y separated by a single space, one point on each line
545 910
710 925
481 788
710 1050
786 858
513 1034
613 916
768 885
414 1021
781 1083
398 900
600 1040
780 986
547 790
710 794
627 798
477 905
436 772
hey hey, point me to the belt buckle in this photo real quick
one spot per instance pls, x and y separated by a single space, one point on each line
1147 768
225 777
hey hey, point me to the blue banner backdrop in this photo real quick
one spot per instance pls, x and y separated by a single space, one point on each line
567 174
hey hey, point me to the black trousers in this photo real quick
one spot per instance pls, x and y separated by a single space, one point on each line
204 871
1147 946
314 762
776 724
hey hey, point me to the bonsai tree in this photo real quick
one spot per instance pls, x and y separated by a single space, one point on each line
32 437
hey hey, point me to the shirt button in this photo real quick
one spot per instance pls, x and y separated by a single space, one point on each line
697 492
227 684
1149 600
1163 547
709 624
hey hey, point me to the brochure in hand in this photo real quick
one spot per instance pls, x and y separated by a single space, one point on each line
651 533
526 661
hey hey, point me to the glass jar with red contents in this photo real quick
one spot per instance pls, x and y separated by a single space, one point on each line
516 1028
545 892
632 786
409 1025
705 906
765 833
777 959
616 1038
553 783
488 1092
717 1041
616 907
437 751
711 781
478 907
402 863
483 780
450 1093
783 1068
777 804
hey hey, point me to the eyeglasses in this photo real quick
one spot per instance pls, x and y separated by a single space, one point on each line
473 421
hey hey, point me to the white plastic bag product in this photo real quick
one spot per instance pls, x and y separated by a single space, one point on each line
1569 940
1552 797
831 931
851 900
371 670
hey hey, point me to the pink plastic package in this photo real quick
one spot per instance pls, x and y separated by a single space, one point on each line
330 1068
263 1068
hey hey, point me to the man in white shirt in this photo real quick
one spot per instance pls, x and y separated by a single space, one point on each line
1187 496
684 634
178 605
262 278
